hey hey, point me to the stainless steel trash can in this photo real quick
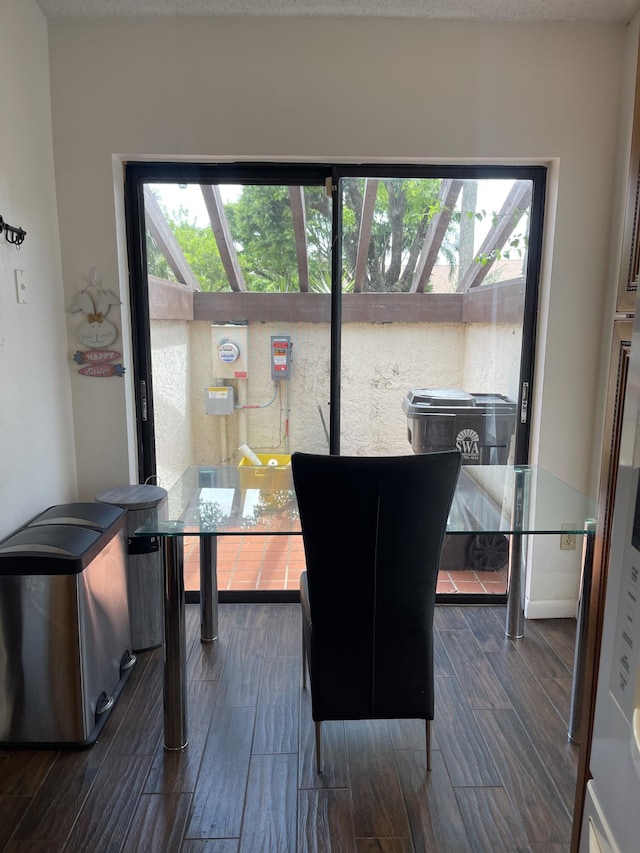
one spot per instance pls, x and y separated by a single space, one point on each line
65 637
144 561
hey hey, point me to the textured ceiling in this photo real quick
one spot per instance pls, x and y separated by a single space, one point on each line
597 11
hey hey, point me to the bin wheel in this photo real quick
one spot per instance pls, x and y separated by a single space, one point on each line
489 553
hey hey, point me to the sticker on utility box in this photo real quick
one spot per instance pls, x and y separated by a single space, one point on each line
219 400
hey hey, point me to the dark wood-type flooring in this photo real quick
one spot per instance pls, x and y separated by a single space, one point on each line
503 772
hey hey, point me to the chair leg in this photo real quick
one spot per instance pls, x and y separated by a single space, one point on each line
319 747
428 744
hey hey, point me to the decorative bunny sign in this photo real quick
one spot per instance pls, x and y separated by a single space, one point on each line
96 332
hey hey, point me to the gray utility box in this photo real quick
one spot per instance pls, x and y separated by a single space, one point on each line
480 426
65 638
144 561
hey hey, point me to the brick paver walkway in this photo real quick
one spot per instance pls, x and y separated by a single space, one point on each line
275 562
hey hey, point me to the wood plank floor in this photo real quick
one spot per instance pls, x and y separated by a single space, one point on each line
503 772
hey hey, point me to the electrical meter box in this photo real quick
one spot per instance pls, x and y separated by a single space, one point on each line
218 400
229 343
280 357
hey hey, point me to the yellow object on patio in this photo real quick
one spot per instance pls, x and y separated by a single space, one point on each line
267 476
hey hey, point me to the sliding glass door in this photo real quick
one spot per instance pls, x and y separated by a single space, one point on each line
437 293
332 309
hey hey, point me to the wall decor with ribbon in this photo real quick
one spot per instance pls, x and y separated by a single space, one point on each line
96 332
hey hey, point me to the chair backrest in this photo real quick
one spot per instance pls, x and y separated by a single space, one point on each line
373 529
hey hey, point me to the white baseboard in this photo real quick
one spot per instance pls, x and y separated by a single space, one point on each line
565 609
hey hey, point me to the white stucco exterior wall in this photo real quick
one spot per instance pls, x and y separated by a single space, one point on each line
170 340
381 364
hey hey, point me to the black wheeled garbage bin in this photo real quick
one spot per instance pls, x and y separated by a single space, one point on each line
65 637
481 427
144 563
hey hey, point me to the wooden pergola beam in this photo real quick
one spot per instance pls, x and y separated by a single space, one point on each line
514 206
495 303
448 196
364 237
222 233
169 300
296 199
166 241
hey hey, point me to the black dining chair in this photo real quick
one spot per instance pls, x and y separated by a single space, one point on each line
373 529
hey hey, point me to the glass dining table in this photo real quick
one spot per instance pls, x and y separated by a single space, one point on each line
225 500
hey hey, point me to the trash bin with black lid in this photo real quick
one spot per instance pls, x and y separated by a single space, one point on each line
64 626
480 426
144 562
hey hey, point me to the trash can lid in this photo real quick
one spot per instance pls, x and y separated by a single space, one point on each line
49 549
142 496
495 402
440 397
93 515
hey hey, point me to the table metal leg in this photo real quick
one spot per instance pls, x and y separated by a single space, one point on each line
518 556
208 589
582 630
515 588
175 659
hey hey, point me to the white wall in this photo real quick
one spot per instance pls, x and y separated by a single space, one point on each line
349 90
377 90
37 461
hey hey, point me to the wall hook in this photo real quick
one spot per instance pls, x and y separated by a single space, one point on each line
12 234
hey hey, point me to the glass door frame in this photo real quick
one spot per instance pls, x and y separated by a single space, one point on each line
137 174
537 175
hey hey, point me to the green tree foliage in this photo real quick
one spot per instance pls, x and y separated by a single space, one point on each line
403 209
156 262
262 227
201 251
199 247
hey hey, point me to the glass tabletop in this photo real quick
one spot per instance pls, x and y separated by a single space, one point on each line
229 500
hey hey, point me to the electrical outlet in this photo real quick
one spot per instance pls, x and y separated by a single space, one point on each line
568 539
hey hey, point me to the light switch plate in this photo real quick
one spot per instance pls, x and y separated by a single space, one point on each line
21 287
